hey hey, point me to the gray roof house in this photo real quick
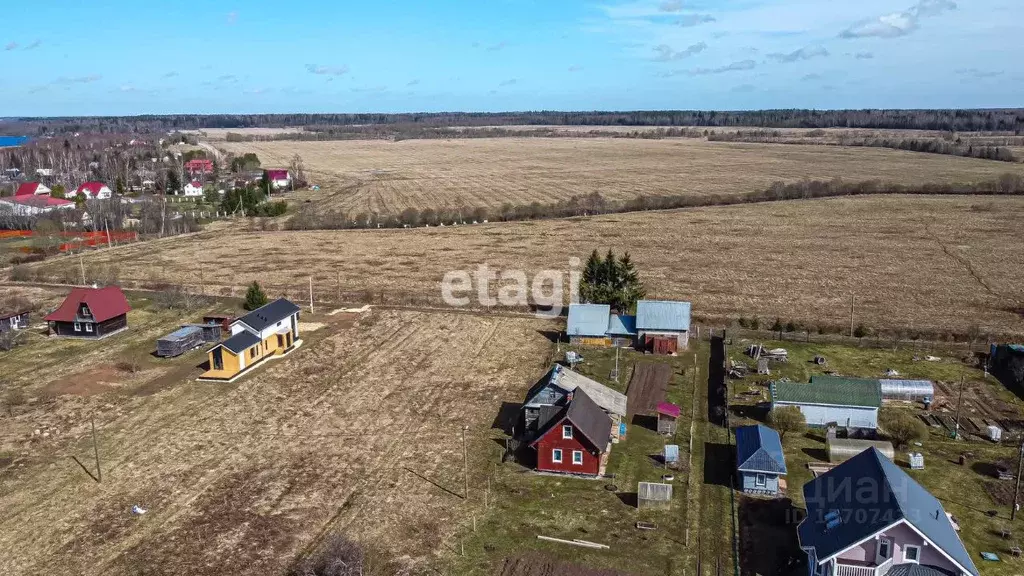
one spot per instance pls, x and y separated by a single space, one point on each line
546 398
867 517
759 459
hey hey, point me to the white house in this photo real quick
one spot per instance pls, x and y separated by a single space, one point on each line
44 172
279 179
95 190
193 189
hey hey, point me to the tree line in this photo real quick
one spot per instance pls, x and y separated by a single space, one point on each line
311 217
969 120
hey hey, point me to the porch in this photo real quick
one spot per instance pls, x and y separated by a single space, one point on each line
855 568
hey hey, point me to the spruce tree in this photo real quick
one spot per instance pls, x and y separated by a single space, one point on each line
255 297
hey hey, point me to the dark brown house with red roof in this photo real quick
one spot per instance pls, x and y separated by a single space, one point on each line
576 440
90 313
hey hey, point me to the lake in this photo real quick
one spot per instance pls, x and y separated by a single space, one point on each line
12 140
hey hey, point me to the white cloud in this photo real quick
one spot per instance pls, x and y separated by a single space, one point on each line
671 6
32 46
413 82
10 46
328 70
79 79
801 54
744 88
690 20
232 17
896 24
976 73
575 68
733 67
665 53
509 82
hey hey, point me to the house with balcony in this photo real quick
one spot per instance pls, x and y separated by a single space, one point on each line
867 517
267 332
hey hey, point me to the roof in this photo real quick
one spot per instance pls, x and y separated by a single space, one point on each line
911 569
7 314
91 187
662 315
277 174
668 409
759 449
196 184
28 188
894 496
588 418
588 320
39 201
104 303
182 333
272 313
240 342
609 400
621 325
830 390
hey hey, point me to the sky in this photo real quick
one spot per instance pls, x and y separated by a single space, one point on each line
66 57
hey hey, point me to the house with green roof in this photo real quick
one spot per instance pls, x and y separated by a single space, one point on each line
850 403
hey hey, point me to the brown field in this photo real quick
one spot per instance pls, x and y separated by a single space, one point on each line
356 432
922 263
388 177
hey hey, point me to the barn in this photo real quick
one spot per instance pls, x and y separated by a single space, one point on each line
90 313
662 326
577 440
850 403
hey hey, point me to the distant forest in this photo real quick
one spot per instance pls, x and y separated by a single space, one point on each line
989 120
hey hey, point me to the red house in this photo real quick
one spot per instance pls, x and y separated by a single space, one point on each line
199 166
32 189
90 313
577 440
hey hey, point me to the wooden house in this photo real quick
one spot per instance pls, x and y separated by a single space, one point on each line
550 394
576 440
662 326
668 414
759 460
16 319
269 331
90 313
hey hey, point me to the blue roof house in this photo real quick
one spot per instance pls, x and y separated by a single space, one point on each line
759 459
867 517
588 321
663 326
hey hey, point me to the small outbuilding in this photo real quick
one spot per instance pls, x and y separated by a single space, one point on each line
180 341
668 414
16 319
662 326
842 449
653 495
759 459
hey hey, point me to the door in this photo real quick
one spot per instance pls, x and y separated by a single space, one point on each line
218 359
280 342
884 550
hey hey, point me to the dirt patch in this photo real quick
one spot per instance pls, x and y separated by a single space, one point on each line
647 387
97 380
540 565
1000 492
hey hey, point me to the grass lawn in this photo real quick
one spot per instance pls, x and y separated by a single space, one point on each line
523 505
962 489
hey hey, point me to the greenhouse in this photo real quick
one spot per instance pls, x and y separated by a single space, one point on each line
908 390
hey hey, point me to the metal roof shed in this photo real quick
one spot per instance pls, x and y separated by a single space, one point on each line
180 341
653 495
662 315
588 320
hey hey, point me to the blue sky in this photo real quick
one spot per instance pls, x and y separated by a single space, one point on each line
61 57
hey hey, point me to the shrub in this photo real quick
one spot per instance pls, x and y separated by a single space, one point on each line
787 419
901 426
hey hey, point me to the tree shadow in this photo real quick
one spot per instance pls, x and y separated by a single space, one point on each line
774 521
987 469
718 464
553 336
645 421
433 483
758 412
507 417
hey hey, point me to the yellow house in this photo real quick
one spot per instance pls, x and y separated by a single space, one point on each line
269 331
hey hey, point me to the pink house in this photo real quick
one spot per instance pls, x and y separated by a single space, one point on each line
867 517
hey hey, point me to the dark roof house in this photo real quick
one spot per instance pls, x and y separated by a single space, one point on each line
759 449
90 313
869 511
272 313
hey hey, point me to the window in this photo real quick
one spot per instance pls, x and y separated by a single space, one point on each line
912 554
884 549
577 457
760 480
78 327
252 352
88 327
567 432
556 455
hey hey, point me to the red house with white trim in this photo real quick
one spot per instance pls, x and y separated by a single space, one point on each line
32 189
199 166
577 440
90 313
95 190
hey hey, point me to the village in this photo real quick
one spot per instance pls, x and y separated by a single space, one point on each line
648 434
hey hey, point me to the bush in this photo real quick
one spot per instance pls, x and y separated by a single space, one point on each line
901 426
787 419
339 557
21 273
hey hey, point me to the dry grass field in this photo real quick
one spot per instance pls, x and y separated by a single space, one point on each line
388 177
356 432
924 263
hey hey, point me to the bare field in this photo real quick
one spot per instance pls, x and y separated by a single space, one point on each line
356 432
388 177
926 263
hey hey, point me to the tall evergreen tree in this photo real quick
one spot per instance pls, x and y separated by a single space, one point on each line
255 297
611 281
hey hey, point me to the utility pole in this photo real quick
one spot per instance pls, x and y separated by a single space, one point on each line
310 294
959 402
1016 492
853 302
465 463
81 264
96 450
